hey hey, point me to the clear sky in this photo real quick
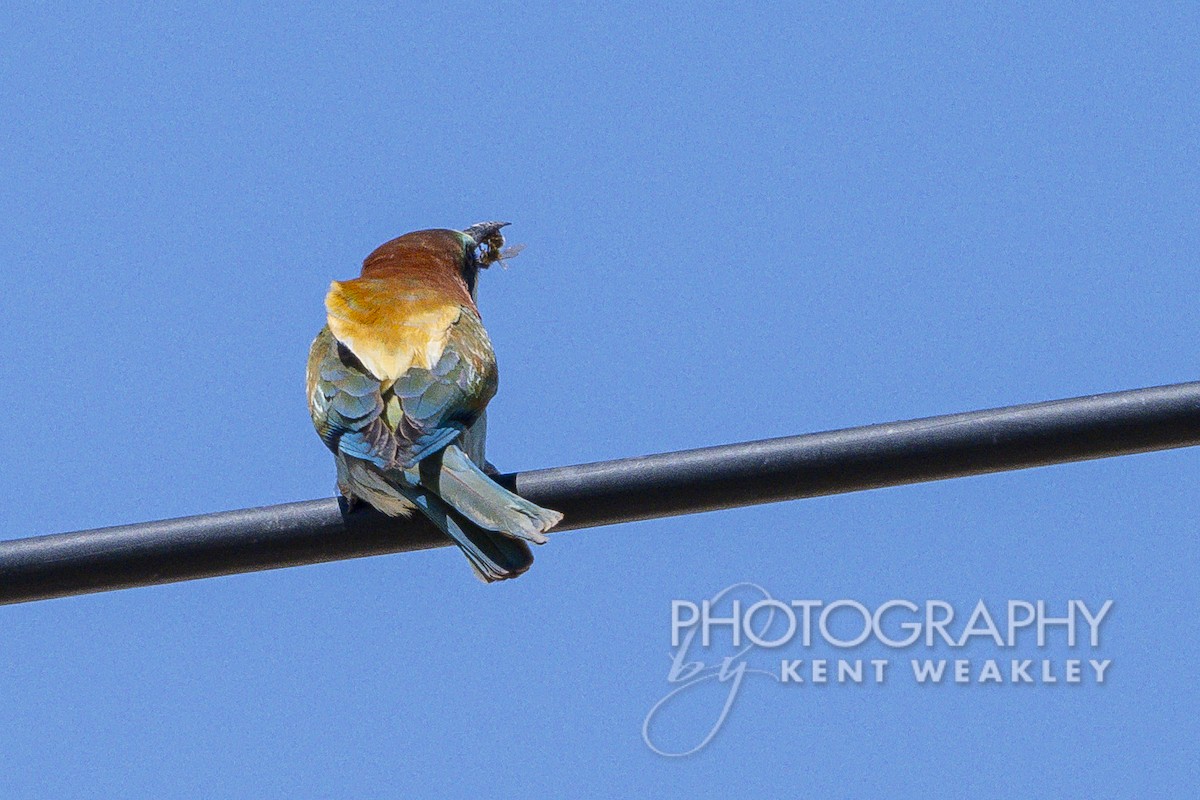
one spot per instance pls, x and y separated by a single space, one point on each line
740 223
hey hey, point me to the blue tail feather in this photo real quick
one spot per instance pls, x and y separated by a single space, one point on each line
455 478
493 556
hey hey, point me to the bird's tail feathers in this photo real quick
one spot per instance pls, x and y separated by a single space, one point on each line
493 556
460 482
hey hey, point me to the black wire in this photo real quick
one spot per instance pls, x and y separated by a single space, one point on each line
624 490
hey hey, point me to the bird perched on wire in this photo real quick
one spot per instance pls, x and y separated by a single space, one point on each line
398 381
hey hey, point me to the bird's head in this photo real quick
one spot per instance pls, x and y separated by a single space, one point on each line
434 251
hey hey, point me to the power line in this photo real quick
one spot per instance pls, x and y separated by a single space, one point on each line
624 490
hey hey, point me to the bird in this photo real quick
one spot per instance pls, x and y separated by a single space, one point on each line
398 382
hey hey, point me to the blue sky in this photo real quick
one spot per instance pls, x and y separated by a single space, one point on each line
740 223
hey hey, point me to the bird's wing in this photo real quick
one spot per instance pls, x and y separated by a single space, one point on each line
346 403
364 405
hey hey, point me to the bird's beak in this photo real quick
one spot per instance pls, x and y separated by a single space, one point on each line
484 232
488 237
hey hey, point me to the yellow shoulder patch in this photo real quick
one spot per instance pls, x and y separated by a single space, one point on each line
390 325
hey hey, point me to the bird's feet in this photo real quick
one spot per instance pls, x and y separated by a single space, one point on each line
349 501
